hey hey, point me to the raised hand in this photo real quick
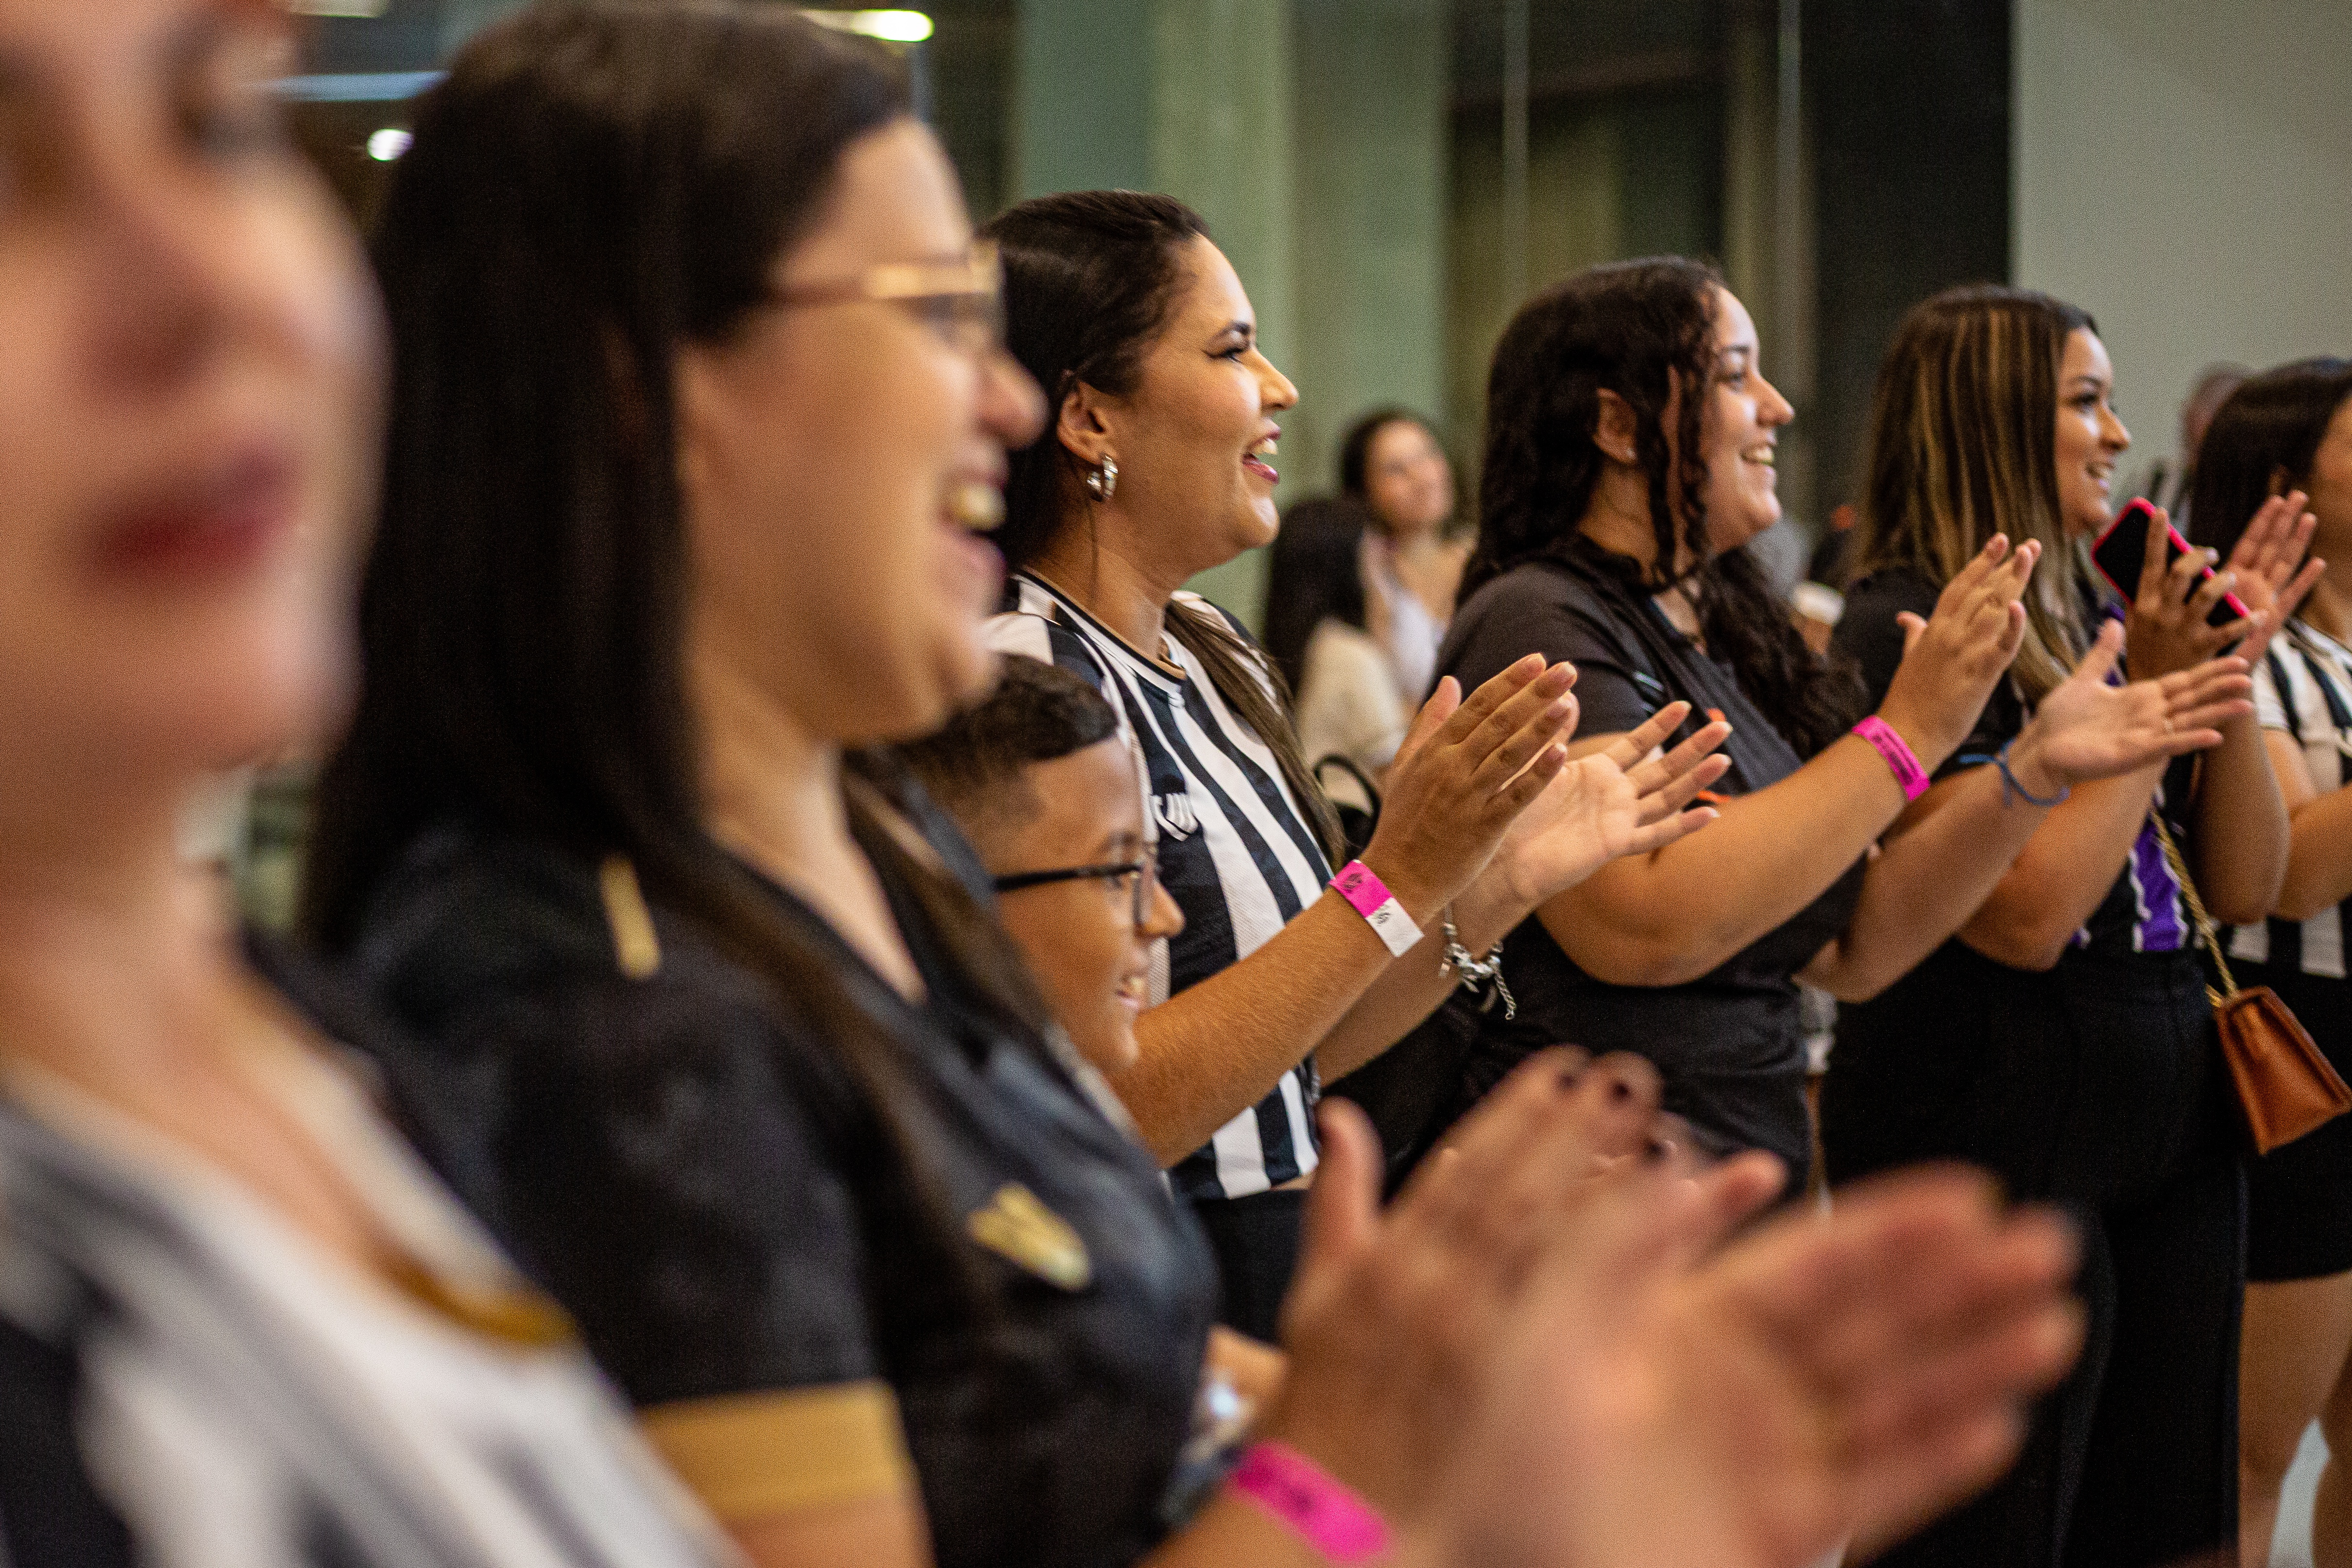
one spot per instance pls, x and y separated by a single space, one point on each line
2086 729
1465 771
2264 564
1613 802
1952 659
2164 628
1815 1380
1393 1311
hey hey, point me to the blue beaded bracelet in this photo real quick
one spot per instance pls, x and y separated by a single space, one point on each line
2008 784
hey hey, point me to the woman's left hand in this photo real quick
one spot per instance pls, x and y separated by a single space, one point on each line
2087 728
2264 560
1612 802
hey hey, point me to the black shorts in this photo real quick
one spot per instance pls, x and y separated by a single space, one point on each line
2300 1197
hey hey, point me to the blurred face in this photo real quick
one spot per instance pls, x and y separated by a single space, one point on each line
1407 478
1745 413
2330 486
821 453
1195 443
1080 936
188 401
2090 436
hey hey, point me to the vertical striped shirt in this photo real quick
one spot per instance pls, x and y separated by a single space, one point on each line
2304 687
2144 911
1235 850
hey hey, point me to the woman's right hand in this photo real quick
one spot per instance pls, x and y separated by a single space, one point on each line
1394 1310
1952 660
1820 1379
1465 771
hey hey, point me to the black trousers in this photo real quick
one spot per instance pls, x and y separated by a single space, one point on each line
2097 1088
1255 1239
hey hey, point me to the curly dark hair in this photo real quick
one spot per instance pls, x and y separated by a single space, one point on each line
1639 329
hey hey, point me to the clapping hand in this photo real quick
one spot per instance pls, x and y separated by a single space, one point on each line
1617 801
2165 628
1952 659
2263 563
1817 1378
2087 728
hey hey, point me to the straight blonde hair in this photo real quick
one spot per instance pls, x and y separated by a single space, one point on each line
1963 446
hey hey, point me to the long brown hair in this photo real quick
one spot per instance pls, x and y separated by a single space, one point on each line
1963 446
594 185
1090 279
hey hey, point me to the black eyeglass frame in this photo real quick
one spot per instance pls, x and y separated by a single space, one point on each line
1145 869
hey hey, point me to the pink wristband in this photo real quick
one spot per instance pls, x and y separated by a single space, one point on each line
1369 897
1907 770
1326 1514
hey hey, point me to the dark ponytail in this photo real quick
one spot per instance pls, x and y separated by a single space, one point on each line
1641 329
1091 281
594 185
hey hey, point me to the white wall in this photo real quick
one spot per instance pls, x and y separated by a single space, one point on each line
2184 170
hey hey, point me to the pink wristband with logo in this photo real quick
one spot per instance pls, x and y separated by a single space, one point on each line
1323 1513
1370 897
1890 745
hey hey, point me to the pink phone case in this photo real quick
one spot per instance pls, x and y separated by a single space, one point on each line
2180 547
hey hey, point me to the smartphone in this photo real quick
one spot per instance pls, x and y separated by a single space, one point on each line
2121 554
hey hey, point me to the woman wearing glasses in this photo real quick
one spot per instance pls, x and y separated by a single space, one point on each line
707 1010
692 408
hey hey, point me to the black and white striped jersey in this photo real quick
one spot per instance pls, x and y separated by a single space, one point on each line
2304 686
1235 851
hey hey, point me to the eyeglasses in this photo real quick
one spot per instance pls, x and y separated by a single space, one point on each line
962 301
1141 876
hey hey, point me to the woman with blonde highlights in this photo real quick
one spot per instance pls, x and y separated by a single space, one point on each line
2062 1039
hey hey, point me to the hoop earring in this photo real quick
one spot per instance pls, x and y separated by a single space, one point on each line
1103 477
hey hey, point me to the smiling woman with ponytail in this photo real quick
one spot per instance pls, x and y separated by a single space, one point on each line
1156 466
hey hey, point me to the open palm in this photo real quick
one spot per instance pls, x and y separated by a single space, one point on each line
1815 1379
1612 802
2089 729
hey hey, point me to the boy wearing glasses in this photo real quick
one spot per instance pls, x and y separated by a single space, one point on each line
1045 786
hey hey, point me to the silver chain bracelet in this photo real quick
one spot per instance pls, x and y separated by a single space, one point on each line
1477 974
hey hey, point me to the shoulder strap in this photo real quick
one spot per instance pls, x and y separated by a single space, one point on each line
2206 933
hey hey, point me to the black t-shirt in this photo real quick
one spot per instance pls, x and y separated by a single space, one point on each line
689 1171
2092 1082
1729 1045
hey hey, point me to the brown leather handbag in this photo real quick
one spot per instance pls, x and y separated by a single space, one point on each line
2285 1085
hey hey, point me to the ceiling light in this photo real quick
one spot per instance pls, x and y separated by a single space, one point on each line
897 26
388 144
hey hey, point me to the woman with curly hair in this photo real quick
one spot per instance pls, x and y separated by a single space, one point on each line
1629 456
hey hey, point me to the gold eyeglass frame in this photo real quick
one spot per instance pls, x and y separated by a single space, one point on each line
979 274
